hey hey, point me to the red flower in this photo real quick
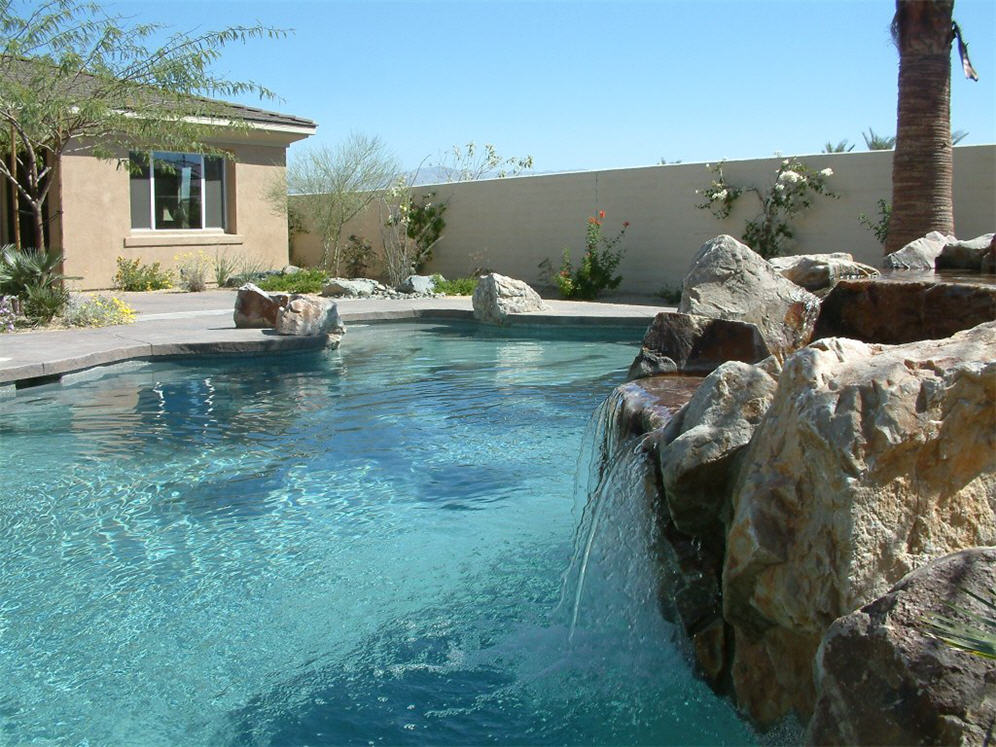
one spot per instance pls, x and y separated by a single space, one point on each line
593 221
625 224
601 213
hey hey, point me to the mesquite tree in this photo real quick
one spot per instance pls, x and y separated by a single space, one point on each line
73 78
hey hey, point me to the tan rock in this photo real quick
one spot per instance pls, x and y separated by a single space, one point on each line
698 449
870 461
816 272
255 307
307 315
496 296
728 280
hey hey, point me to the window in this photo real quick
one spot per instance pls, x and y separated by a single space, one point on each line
177 191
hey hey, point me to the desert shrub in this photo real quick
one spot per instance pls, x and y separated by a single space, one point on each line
97 311
303 281
456 286
357 256
193 268
134 276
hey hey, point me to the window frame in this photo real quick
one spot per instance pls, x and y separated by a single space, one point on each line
151 179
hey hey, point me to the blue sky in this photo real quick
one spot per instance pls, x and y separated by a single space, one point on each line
588 85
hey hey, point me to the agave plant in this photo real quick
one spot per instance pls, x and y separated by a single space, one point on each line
976 634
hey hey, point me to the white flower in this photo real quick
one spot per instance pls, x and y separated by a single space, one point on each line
708 165
779 187
826 172
720 195
785 162
789 176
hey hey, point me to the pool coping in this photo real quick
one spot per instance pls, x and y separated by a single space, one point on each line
193 327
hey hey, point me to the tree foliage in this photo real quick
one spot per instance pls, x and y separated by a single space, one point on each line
333 185
75 78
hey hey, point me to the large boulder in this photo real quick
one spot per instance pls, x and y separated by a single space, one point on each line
918 255
698 447
255 308
870 461
899 311
817 272
422 285
351 287
695 345
307 315
971 255
883 679
728 280
496 296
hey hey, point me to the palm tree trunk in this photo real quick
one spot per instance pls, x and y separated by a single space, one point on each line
922 164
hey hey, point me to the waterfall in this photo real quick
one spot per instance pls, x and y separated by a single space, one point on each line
611 584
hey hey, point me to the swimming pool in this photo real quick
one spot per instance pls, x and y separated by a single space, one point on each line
360 546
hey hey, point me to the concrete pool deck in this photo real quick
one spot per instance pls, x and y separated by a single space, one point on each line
175 323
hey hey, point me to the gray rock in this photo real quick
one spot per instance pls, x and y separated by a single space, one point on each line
816 272
918 255
728 280
883 679
965 255
353 288
422 285
693 344
307 315
255 308
290 270
496 296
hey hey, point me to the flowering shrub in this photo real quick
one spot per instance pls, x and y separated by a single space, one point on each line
134 276
600 260
193 268
7 314
791 193
98 311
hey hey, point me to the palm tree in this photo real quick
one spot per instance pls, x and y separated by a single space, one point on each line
922 166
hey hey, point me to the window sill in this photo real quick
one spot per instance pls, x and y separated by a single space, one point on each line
185 238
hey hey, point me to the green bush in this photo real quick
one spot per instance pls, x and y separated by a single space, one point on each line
303 281
455 287
134 276
21 269
598 265
41 303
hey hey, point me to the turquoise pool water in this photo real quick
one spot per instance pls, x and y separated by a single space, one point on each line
361 546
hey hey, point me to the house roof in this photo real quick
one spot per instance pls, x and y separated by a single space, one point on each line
24 72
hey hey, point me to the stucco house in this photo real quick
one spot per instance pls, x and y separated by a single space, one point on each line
171 203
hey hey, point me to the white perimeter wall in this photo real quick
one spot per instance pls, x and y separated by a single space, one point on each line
510 225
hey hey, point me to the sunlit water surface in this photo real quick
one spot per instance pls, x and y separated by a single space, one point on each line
361 546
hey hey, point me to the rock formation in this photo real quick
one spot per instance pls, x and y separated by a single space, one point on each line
728 280
819 272
288 314
883 678
918 255
968 255
255 308
310 315
496 296
899 311
695 345
871 460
